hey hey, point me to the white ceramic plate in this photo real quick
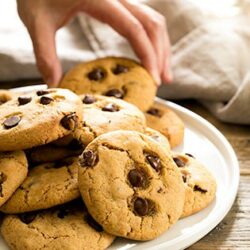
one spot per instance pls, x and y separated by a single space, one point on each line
208 145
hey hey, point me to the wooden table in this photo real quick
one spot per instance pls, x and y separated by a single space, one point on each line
234 231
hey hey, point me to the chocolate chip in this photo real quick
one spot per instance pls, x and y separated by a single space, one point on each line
3 177
62 212
45 100
63 163
96 74
24 100
42 92
70 121
184 178
179 162
141 207
88 159
88 99
111 107
189 155
1 190
154 112
91 222
27 218
75 145
154 161
115 93
199 189
120 69
137 178
12 121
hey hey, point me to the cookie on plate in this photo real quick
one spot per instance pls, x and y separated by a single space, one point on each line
104 114
113 76
157 136
37 118
64 227
13 171
130 185
167 122
5 96
200 185
47 185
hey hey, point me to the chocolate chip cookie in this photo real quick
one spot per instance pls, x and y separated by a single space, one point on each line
64 227
47 185
113 76
158 137
167 122
130 185
5 96
104 114
37 118
13 171
200 185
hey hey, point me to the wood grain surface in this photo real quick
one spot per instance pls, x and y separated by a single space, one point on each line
234 231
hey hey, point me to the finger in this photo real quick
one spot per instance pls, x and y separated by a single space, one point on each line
166 74
131 29
43 39
155 26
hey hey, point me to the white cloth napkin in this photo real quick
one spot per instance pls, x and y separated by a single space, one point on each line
211 56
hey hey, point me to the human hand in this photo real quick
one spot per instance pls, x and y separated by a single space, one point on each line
143 27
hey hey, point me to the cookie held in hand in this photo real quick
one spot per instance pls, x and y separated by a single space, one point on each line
117 77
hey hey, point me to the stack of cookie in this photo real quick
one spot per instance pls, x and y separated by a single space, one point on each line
78 169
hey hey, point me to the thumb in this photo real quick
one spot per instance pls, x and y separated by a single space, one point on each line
43 39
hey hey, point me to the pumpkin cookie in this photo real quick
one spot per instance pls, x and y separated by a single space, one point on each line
130 185
113 76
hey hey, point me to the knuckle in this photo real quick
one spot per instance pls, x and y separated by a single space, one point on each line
136 29
157 23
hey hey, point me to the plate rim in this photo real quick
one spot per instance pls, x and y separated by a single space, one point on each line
193 237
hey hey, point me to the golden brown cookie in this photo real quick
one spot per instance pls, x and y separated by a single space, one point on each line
167 122
13 171
103 114
158 137
130 185
68 226
38 118
113 76
200 185
47 185
5 96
